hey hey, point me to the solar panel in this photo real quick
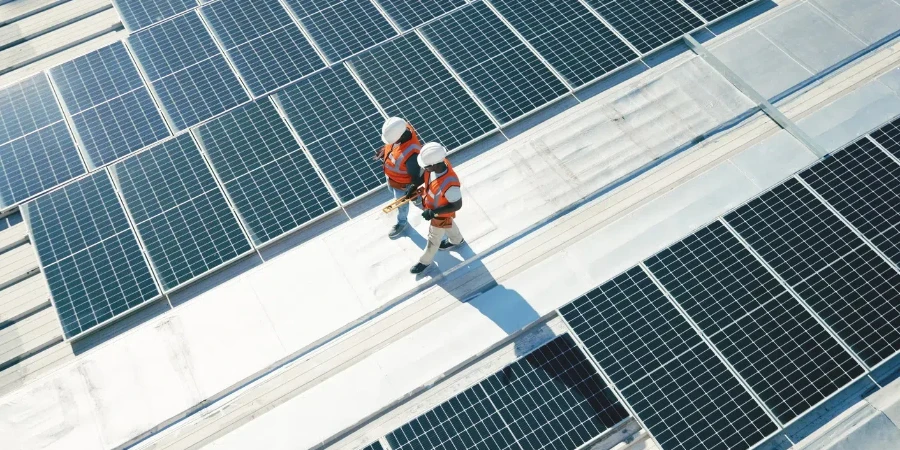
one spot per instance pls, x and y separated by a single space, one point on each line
267 47
863 184
493 62
340 127
777 346
111 108
833 270
374 446
714 9
138 14
550 399
271 181
342 27
186 70
554 398
428 97
179 211
27 106
409 14
36 162
889 137
647 24
680 390
568 36
94 267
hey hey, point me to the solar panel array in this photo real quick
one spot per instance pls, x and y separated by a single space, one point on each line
284 101
757 319
550 399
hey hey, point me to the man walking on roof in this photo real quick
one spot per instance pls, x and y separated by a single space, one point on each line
442 199
401 165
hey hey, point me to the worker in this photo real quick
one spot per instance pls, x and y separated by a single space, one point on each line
442 199
400 160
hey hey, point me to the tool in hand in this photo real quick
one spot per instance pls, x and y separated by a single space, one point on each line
402 200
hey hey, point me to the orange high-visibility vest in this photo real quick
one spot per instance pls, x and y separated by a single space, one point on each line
395 158
436 188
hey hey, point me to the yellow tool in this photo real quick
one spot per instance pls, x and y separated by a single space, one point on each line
401 201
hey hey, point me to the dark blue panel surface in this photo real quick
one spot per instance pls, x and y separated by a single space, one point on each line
180 213
137 14
889 137
714 9
266 46
493 62
274 186
410 82
340 126
26 107
647 24
342 27
412 13
569 37
94 267
37 162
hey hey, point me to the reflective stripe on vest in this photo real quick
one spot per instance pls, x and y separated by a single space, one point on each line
434 198
395 157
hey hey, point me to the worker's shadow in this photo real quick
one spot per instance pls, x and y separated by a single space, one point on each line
474 284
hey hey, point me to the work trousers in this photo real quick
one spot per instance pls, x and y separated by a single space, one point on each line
435 236
403 210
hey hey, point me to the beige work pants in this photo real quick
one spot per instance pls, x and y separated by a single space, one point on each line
435 236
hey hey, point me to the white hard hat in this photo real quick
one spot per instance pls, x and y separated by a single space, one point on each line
432 153
392 130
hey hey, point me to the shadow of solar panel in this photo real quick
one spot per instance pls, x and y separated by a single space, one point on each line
138 14
340 127
647 24
493 62
714 9
342 27
94 267
787 357
863 183
630 327
569 37
186 70
554 398
268 177
408 14
410 82
266 46
27 106
180 214
694 402
36 162
111 108
833 270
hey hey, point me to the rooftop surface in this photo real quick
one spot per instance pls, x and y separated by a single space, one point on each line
324 340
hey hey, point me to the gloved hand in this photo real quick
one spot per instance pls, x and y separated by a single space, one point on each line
428 214
411 191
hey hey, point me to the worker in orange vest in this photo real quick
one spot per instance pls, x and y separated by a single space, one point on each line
442 199
400 159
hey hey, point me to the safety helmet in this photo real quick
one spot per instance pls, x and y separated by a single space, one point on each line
392 130
432 153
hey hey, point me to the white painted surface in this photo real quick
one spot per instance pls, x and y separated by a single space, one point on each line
870 20
774 160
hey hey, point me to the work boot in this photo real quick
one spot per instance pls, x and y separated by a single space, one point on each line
418 268
447 245
397 230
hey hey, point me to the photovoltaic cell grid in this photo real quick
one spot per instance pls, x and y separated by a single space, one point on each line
647 24
186 70
410 82
889 137
270 179
551 399
787 357
266 46
714 9
408 14
94 267
36 162
111 108
685 395
339 125
568 36
27 106
833 270
180 214
374 446
342 27
138 14
863 183
497 66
